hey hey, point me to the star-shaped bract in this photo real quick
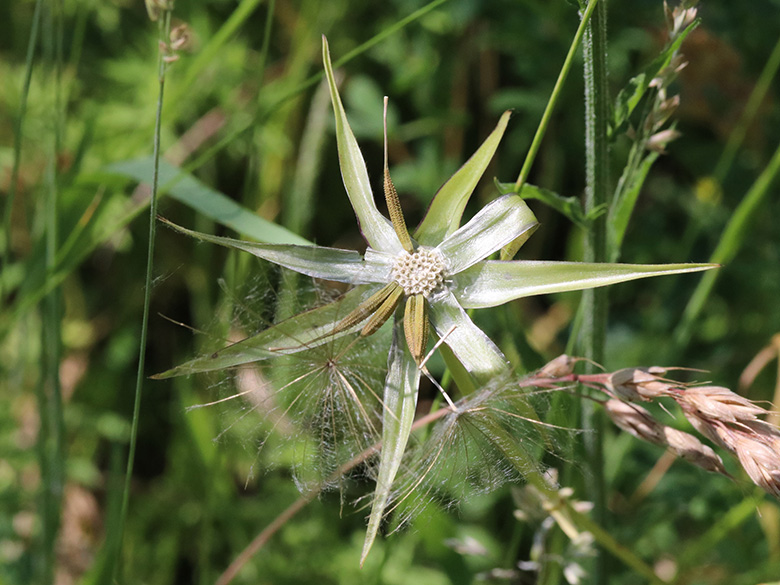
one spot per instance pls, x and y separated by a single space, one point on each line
436 273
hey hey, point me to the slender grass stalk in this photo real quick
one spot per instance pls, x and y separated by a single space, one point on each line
730 242
722 529
11 197
269 20
551 103
510 250
51 443
594 301
737 136
164 26
357 51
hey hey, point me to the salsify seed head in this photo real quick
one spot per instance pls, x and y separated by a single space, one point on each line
420 272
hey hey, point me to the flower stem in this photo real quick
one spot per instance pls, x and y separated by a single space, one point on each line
164 32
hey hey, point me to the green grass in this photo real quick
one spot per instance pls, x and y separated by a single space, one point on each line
78 106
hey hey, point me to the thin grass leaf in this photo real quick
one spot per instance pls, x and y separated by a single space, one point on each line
729 245
570 207
625 200
630 96
186 189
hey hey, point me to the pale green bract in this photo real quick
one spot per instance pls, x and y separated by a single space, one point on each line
470 280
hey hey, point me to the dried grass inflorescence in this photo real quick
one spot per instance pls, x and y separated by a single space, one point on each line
729 420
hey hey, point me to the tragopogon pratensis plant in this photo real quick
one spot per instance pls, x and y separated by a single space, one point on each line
423 280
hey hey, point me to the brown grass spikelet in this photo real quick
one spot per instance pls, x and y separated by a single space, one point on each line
733 422
635 420
758 452
718 403
635 384
638 422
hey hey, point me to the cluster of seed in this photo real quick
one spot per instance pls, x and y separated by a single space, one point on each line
727 419
420 272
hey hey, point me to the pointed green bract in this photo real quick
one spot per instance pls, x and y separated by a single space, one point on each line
400 401
315 261
457 271
492 283
376 228
303 331
446 209
498 223
475 350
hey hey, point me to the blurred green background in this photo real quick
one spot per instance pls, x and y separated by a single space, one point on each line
244 113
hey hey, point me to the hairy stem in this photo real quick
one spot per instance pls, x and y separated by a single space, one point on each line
594 306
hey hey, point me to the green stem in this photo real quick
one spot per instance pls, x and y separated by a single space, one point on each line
748 115
508 252
594 305
9 201
556 92
51 443
730 242
571 522
164 32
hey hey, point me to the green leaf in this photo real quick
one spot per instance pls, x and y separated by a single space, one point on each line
400 401
315 261
303 331
186 189
475 350
625 201
446 210
571 207
629 97
376 228
493 283
501 221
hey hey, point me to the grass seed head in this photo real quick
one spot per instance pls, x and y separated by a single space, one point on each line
638 384
719 404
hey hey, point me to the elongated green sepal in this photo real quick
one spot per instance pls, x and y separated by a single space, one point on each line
301 332
400 401
316 261
492 283
475 350
375 227
498 223
446 209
